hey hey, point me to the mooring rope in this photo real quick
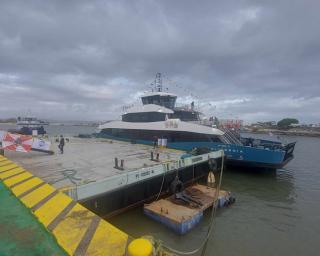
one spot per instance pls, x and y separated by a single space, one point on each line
161 187
203 245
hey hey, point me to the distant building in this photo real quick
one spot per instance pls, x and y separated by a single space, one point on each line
267 124
231 123
295 125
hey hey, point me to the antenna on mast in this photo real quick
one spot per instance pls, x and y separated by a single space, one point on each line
158 82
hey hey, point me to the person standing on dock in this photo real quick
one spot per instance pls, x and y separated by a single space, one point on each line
155 141
61 144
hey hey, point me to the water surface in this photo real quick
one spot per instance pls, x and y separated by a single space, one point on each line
275 213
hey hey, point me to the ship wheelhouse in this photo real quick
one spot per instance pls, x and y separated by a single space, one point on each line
167 100
147 113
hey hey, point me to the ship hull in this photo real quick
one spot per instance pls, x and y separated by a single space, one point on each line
236 155
244 156
120 200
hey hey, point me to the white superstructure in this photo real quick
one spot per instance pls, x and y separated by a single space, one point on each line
167 125
158 117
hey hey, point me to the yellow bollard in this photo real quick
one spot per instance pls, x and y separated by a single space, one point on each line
140 247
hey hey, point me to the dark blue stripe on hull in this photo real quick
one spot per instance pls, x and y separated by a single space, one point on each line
256 165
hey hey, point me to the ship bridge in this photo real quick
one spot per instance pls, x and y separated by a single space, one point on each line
165 99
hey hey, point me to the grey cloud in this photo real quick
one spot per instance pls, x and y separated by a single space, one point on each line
84 60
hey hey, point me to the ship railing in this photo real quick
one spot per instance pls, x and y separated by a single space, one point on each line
231 136
187 107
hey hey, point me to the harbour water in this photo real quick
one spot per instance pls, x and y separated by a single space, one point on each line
275 213
56 130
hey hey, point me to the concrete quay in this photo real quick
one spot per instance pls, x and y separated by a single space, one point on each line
87 171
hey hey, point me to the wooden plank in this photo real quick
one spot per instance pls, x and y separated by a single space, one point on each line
172 211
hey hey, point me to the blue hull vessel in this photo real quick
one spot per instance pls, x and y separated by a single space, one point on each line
159 119
246 156
268 154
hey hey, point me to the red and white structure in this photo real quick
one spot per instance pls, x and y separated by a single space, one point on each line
230 123
17 142
23 143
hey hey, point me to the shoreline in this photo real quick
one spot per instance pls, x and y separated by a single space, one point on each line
289 133
57 124
304 133
8 123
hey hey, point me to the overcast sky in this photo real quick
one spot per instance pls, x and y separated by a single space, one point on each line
84 60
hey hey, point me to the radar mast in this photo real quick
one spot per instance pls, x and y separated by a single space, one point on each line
158 82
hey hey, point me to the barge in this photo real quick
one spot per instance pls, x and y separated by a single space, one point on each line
109 177
183 215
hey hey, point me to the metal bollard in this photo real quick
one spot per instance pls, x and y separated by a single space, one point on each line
122 164
116 163
151 153
157 157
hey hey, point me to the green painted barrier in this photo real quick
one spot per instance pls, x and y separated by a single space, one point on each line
20 231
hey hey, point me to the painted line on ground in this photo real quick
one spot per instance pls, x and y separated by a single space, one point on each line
27 187
7 167
10 172
71 229
62 214
86 239
22 181
44 200
18 179
4 163
14 175
77 230
31 189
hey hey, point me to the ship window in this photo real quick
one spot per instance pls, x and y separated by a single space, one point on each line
186 115
144 117
165 101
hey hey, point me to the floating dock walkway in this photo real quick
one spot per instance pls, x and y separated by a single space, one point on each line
77 230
